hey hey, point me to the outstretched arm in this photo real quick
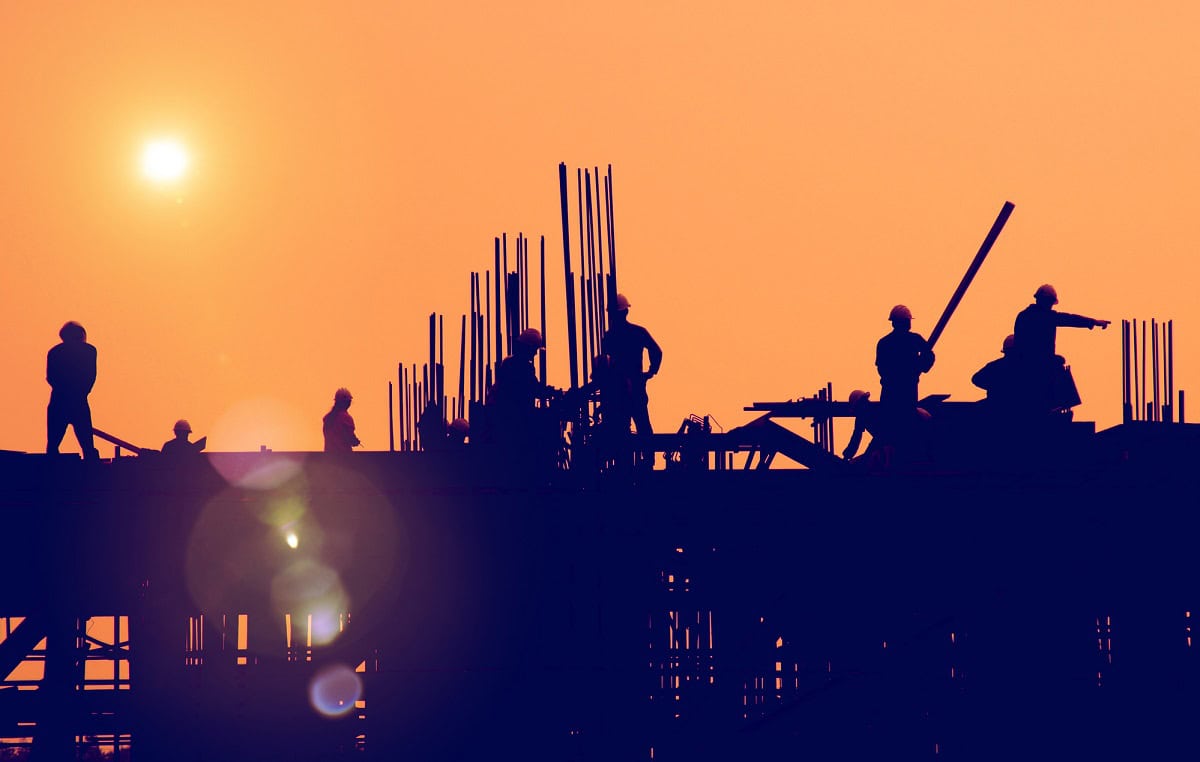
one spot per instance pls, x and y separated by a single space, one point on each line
1067 320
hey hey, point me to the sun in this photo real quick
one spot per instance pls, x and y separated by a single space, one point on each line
164 160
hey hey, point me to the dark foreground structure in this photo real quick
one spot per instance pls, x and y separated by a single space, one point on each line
429 606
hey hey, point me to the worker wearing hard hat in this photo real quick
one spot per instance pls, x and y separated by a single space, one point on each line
517 386
901 357
1047 381
865 421
1036 326
180 447
458 431
338 425
628 345
999 378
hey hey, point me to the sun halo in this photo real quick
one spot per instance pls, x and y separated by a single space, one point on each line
164 160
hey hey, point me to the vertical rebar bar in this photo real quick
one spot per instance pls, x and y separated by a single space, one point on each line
572 350
1153 366
499 308
462 364
391 421
402 372
1171 367
542 309
612 238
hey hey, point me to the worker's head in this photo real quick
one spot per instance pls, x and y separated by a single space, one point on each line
530 339
460 427
182 427
342 398
900 316
1009 342
1045 294
620 304
858 398
72 331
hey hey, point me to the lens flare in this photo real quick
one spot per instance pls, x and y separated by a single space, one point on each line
334 690
306 589
292 540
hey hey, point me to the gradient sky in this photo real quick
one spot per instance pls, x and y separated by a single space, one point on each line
784 173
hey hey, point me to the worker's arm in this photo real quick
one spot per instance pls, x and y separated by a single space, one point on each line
855 439
927 359
1067 320
656 355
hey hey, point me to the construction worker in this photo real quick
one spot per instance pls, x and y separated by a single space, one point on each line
71 373
529 433
628 344
457 433
517 387
1049 381
1036 326
1000 378
865 421
180 447
901 357
338 425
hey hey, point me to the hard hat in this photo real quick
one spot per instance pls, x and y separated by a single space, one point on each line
900 312
923 414
859 395
460 425
1009 341
530 337
183 425
342 394
620 304
72 330
1046 291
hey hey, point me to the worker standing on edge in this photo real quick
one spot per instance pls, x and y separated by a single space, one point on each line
338 425
71 373
1035 330
627 344
901 357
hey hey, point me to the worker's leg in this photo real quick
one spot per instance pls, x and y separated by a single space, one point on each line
82 423
56 427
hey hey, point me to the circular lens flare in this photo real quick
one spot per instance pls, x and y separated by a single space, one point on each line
164 160
334 690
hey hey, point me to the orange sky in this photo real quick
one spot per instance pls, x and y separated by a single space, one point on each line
783 176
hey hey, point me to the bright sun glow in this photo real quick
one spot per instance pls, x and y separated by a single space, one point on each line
164 161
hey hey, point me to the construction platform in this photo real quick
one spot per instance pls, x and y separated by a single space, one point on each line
436 606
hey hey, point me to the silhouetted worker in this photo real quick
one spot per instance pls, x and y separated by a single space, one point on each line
628 344
901 357
338 425
458 431
1035 331
1036 326
180 447
866 421
71 373
517 387
1001 379
529 433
